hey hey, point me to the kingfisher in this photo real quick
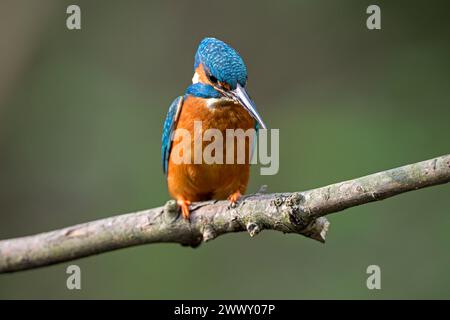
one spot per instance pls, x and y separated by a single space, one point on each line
216 97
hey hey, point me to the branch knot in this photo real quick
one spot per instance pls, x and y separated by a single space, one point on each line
170 211
253 228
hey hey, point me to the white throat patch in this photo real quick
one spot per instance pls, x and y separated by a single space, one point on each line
195 78
218 102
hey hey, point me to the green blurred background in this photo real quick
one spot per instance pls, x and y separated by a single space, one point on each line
81 114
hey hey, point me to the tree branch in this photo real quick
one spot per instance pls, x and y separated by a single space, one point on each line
296 212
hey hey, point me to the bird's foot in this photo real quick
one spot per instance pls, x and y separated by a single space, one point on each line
234 197
184 204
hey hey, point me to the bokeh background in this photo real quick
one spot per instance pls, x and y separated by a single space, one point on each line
81 114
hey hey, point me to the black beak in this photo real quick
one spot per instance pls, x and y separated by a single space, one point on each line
240 95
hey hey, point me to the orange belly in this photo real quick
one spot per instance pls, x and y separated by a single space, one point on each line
198 182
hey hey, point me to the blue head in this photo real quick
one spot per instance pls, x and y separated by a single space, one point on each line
226 72
222 64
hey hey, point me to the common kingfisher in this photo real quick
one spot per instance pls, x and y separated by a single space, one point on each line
216 97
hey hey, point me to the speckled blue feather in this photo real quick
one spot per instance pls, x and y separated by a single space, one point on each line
221 61
202 90
169 126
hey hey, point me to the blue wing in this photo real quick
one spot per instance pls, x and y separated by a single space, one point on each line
169 126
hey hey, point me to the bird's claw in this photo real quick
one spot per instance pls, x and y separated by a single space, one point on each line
233 198
184 204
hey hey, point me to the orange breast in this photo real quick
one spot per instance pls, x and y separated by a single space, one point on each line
196 182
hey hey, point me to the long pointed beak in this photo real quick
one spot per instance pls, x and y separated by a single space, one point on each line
242 97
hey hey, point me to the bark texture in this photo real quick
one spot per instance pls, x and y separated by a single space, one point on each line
297 212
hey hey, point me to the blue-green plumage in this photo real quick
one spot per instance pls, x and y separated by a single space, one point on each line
222 62
202 90
169 127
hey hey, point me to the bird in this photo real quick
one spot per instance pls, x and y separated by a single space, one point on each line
217 97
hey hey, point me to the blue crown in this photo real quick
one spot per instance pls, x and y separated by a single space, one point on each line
222 62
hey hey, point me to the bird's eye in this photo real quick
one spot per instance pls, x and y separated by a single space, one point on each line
213 79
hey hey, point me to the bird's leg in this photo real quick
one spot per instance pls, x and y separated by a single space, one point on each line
234 197
184 204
